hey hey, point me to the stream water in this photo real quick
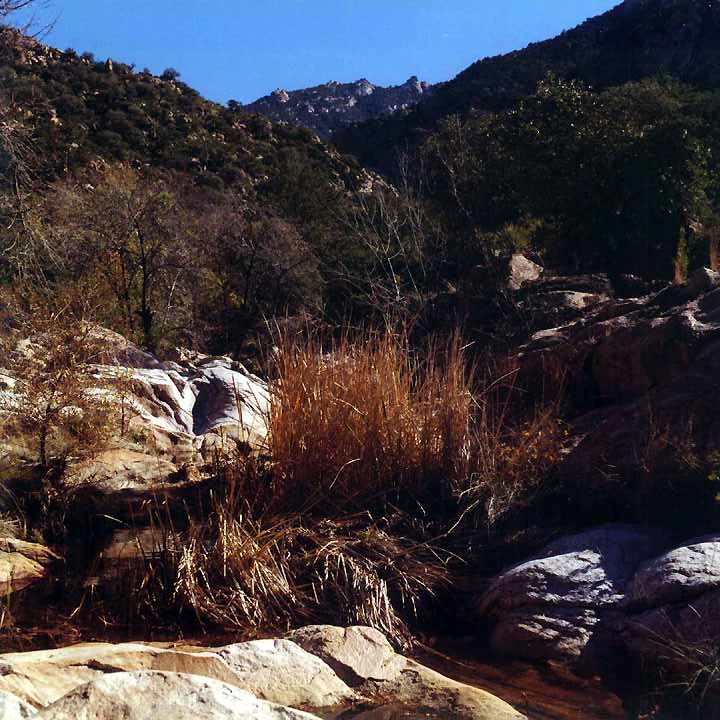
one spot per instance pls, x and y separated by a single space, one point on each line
542 692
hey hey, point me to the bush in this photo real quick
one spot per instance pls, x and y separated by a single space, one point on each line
170 74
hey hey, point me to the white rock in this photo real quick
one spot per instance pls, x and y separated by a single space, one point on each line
43 676
357 654
679 575
13 708
564 602
522 270
282 672
163 696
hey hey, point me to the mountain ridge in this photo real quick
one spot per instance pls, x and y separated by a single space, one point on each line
634 40
330 106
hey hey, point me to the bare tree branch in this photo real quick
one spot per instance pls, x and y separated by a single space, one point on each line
30 23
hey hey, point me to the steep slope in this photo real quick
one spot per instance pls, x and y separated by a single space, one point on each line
77 109
635 40
329 107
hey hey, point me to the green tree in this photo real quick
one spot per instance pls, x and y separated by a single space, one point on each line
128 230
613 177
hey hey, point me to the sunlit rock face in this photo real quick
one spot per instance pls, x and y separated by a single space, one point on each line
262 679
21 564
169 418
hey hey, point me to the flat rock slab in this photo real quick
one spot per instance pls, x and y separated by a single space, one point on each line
163 696
44 676
430 694
101 678
395 686
124 469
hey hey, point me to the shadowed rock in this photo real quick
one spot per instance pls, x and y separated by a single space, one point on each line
566 602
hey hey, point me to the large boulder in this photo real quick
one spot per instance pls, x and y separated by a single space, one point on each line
677 601
42 677
357 654
180 406
171 414
281 671
170 696
421 692
275 670
680 575
566 602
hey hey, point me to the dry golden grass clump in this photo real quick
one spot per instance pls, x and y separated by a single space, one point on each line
366 420
276 573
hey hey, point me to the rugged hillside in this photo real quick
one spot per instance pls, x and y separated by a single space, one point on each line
78 109
327 108
219 192
635 40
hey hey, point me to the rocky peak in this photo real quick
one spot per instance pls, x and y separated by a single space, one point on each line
329 107
280 96
364 87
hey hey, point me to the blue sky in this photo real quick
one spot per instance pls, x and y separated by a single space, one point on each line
244 49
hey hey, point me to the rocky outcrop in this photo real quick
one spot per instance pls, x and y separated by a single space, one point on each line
278 671
22 563
170 417
637 381
550 301
566 602
255 679
170 696
327 108
41 678
185 406
395 685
